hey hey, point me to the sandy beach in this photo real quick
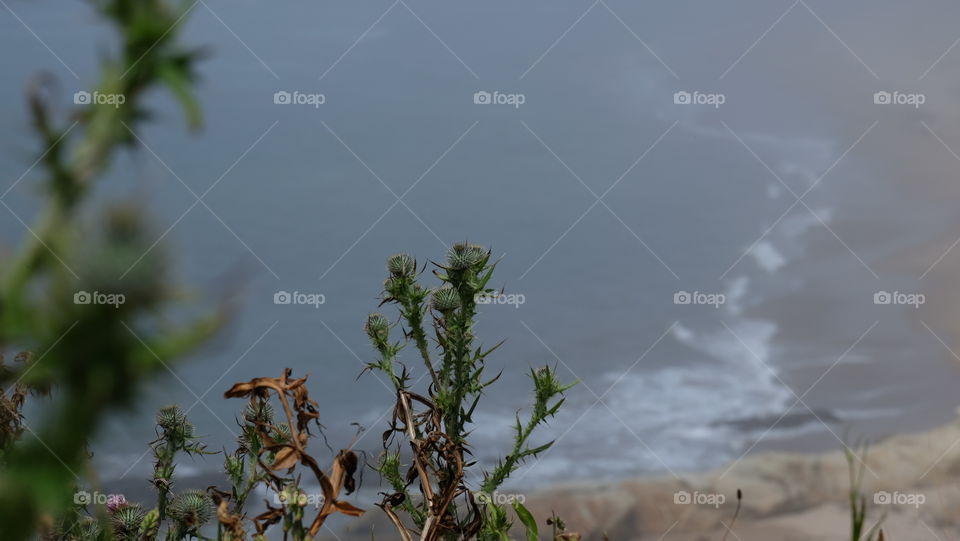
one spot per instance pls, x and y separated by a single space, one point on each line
785 496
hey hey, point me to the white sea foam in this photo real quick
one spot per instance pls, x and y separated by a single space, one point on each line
768 257
675 418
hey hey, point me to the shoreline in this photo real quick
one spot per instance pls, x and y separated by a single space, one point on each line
786 495
791 496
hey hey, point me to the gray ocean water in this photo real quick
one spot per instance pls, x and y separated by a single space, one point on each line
605 194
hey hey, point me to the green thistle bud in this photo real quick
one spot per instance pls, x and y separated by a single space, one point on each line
445 299
150 525
192 508
393 286
401 265
174 421
377 327
169 417
463 256
126 522
233 466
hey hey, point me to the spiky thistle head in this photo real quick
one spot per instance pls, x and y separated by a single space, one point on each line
126 521
445 299
258 412
191 508
463 256
170 417
547 386
233 466
377 327
393 286
402 265
174 421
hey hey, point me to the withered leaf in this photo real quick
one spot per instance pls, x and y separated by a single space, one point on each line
348 460
268 518
394 499
291 451
286 458
348 509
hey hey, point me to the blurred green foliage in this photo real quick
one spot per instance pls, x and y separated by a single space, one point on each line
93 356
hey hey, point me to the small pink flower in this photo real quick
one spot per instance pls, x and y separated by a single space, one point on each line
115 502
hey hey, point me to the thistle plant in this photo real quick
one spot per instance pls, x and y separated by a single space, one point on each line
278 416
435 423
267 456
183 514
278 449
175 435
243 467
